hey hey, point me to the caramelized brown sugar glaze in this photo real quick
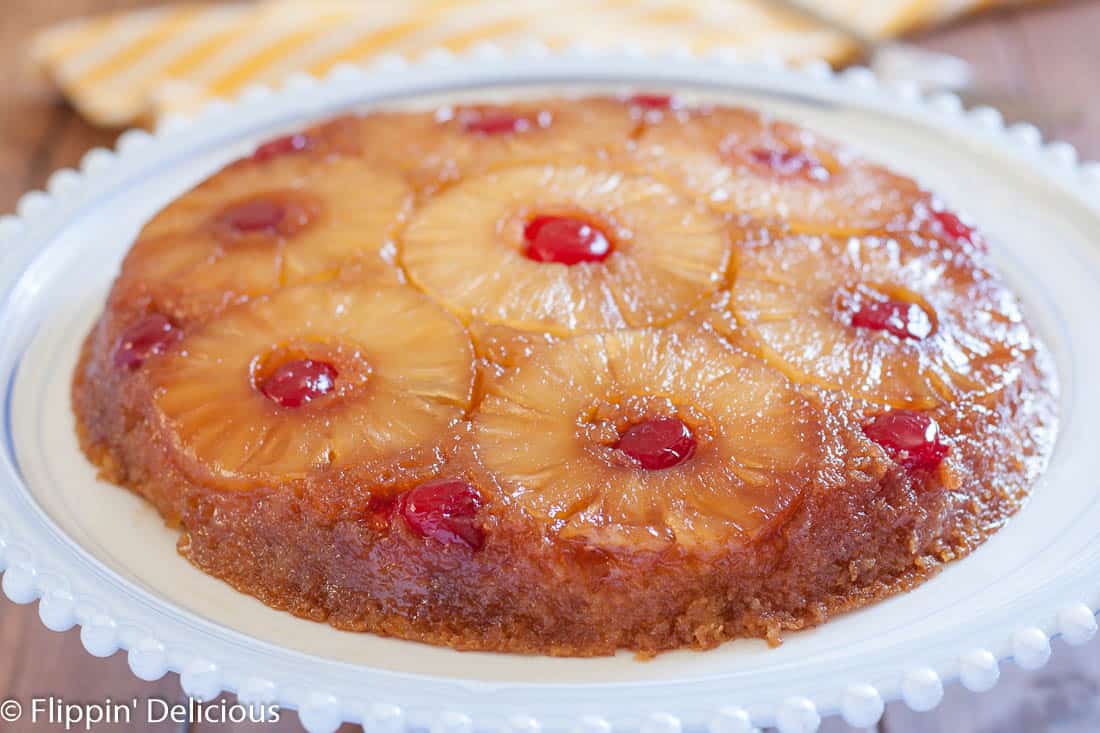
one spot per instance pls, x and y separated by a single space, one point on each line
504 294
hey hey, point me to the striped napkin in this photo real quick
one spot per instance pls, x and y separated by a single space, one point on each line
123 68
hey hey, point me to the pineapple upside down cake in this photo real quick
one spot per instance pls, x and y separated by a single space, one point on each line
565 377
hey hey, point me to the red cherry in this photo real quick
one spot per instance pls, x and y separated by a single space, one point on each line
444 510
254 215
789 163
496 123
955 228
651 101
904 320
297 382
912 438
146 338
286 145
660 443
564 240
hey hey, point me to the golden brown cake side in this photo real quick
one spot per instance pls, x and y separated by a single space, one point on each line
462 475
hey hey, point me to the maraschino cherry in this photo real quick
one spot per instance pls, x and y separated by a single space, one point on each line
787 163
904 320
954 228
268 215
651 101
297 382
280 146
444 510
150 336
565 240
659 443
912 438
496 123
254 215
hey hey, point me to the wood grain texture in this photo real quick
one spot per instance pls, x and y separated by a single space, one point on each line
38 132
1049 51
1053 51
37 663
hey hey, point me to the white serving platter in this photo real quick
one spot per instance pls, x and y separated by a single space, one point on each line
98 557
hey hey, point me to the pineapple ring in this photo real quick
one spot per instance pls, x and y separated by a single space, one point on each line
796 296
745 164
434 148
546 431
187 264
405 374
465 248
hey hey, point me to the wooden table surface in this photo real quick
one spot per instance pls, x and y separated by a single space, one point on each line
1051 50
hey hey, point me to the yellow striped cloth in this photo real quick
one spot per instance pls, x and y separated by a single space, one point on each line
136 66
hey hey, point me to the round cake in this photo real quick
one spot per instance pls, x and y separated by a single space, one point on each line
565 377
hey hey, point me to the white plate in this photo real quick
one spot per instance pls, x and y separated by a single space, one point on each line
99 557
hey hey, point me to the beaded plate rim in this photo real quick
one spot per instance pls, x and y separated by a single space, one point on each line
109 624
